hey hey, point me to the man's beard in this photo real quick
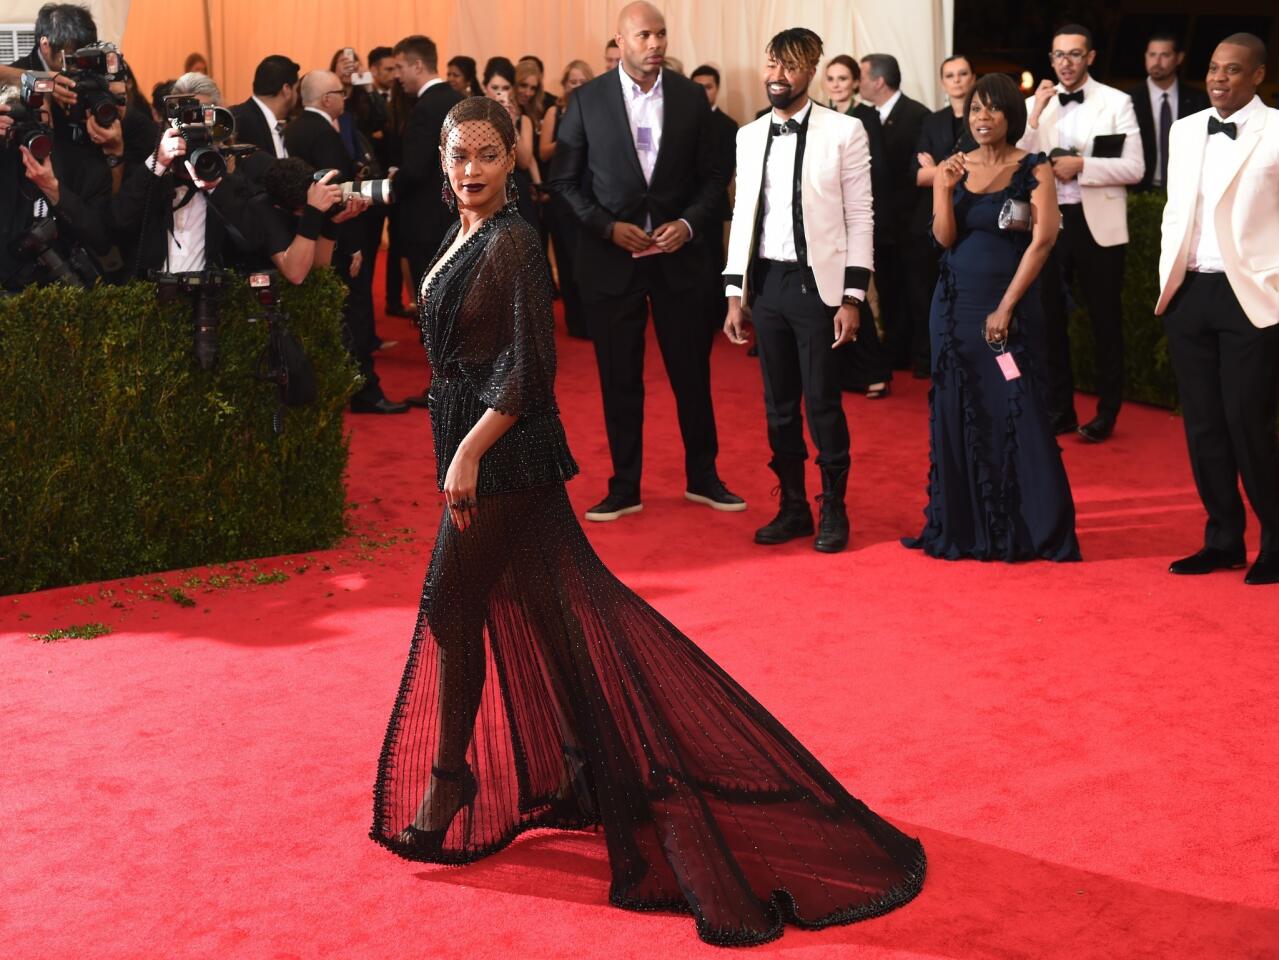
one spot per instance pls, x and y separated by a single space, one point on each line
782 100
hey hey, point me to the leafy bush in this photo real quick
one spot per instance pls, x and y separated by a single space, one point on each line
1148 371
119 455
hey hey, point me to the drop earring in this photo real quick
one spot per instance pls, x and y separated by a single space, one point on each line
512 193
448 197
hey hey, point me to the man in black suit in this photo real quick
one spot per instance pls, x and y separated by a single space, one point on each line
636 161
1159 103
899 257
313 136
942 134
424 217
260 120
724 130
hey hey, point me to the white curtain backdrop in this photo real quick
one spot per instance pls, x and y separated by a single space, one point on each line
730 34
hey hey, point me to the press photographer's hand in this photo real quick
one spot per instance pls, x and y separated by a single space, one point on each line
171 147
324 193
40 173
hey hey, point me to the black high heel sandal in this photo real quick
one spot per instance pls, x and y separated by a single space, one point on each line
431 842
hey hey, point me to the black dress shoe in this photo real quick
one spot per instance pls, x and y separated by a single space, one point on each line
1265 570
1065 424
613 506
1097 429
418 399
381 405
398 311
716 496
1207 560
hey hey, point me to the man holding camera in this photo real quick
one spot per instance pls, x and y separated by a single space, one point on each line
314 136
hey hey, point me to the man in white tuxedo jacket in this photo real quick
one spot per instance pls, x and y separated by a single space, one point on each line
800 251
1219 297
1090 132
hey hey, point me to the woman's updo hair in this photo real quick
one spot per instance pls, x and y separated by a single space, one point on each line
480 108
998 92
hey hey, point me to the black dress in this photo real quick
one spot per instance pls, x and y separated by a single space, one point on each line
997 489
574 703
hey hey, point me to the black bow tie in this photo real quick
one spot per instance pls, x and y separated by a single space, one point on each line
1076 97
790 126
1216 126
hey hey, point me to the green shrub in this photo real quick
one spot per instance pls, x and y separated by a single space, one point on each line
1148 371
119 455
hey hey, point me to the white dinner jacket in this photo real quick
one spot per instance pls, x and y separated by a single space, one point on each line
839 219
1246 216
1102 182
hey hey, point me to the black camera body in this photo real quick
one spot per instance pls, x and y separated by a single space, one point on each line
40 244
26 110
205 131
93 68
206 288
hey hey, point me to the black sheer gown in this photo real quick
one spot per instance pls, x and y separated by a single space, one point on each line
574 703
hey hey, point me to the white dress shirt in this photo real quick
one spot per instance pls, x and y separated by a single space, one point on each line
886 107
1156 107
273 124
1205 250
1068 138
646 112
331 119
429 84
186 241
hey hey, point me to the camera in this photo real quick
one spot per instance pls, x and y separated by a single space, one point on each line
28 129
94 68
206 288
283 362
377 191
205 131
40 244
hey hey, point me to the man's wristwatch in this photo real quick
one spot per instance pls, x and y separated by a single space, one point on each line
113 161
849 300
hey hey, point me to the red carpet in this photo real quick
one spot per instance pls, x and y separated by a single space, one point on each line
1087 751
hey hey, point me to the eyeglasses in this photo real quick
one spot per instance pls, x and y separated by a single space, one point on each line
1074 55
334 93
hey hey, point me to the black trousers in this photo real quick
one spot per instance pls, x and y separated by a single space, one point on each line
394 270
892 279
1226 377
1100 272
617 325
795 331
564 232
358 334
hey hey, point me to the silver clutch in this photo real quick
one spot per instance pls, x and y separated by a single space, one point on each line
1016 215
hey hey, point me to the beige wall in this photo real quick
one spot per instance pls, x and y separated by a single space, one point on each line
109 15
727 33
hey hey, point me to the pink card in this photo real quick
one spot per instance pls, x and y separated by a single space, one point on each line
647 251
1008 365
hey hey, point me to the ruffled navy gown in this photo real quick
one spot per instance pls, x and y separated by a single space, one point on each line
572 702
997 489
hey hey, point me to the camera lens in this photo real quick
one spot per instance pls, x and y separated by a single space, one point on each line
378 191
208 164
40 143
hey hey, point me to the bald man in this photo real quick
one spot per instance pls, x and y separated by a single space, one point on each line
636 161
314 136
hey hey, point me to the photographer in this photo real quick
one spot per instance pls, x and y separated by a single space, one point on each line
54 199
60 28
180 222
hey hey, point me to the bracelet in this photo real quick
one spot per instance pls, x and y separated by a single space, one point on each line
310 223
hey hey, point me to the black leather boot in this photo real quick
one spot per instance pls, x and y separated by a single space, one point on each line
832 529
794 519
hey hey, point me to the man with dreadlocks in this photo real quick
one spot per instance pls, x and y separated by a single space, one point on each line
800 250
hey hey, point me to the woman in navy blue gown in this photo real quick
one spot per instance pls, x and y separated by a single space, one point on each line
997 489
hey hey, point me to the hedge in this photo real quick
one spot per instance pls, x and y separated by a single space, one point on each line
120 456
1148 371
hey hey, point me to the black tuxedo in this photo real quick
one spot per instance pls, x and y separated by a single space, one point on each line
424 219
597 172
899 254
1189 100
314 139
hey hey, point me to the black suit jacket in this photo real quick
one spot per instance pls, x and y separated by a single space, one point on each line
251 127
313 139
597 172
937 139
423 217
901 137
1189 100
724 129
